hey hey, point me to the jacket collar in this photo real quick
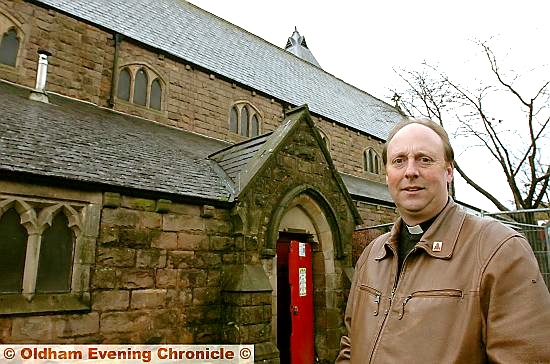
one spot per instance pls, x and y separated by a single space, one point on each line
438 241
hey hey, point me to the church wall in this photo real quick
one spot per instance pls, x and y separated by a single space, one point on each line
155 274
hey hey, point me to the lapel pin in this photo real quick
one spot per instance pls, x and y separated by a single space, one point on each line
437 245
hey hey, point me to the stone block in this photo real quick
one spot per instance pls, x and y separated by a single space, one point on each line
115 300
148 298
137 278
166 278
207 260
151 258
111 199
180 259
193 278
222 243
120 217
77 325
185 297
166 240
139 203
135 237
116 257
33 328
205 296
130 322
190 241
104 278
173 222
150 220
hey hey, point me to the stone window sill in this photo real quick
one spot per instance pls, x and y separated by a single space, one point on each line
17 304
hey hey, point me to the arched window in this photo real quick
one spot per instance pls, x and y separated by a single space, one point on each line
134 86
371 161
124 80
140 88
234 120
13 249
254 126
56 256
156 95
245 119
9 46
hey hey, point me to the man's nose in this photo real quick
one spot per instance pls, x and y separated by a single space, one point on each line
411 169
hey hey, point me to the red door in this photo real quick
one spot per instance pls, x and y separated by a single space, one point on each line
295 296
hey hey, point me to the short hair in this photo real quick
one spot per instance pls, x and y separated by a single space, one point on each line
438 129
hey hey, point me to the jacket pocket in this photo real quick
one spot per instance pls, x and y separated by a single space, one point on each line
435 293
376 296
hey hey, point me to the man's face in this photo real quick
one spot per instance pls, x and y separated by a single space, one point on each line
417 173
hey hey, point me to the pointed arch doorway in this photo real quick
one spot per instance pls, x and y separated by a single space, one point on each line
295 326
304 263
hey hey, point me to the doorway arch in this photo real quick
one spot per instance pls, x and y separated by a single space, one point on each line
307 216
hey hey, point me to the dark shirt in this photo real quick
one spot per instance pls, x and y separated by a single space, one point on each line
407 240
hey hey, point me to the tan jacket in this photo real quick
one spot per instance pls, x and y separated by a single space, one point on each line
480 299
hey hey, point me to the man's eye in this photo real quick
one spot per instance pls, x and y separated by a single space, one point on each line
425 160
397 161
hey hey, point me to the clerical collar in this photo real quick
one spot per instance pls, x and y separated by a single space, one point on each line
419 229
416 229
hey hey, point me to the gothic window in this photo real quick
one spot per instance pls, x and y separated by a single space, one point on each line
234 120
124 82
141 86
40 268
156 95
254 126
245 119
13 248
56 257
371 161
9 46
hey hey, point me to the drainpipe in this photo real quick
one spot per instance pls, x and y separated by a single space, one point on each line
39 92
114 78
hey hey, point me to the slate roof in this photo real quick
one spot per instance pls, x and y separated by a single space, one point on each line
359 187
190 33
78 141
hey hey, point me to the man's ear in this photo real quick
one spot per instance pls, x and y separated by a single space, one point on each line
450 171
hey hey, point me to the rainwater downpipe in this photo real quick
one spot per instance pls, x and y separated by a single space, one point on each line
114 78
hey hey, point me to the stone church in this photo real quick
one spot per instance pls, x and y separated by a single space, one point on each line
168 177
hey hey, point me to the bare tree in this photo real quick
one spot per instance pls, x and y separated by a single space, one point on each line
515 144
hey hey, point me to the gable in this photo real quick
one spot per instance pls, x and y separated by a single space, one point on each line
294 146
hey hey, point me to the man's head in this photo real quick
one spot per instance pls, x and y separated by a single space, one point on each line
419 166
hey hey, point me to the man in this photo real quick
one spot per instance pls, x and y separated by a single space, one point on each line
443 286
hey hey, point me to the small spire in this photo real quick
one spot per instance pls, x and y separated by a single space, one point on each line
297 45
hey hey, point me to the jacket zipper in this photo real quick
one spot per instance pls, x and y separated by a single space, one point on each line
394 289
377 296
431 293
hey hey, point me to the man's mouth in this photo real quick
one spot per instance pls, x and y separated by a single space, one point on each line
412 188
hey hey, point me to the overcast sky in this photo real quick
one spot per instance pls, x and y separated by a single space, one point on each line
362 42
